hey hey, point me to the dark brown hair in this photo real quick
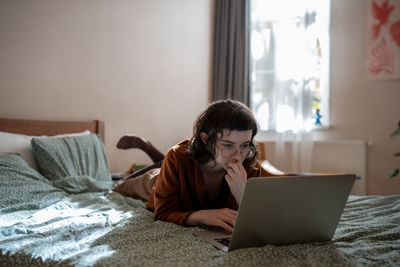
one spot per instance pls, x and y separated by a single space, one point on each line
223 114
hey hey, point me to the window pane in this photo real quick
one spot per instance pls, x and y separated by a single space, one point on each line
290 63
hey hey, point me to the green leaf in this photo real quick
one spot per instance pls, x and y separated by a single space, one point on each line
397 132
394 173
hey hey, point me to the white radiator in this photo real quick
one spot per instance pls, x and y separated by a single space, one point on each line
342 156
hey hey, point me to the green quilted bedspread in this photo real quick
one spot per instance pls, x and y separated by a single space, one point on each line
106 229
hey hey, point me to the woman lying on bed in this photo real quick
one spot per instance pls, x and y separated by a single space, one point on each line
201 180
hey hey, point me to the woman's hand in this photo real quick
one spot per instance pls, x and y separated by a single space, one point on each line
224 218
236 177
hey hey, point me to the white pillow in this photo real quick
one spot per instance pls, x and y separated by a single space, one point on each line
20 144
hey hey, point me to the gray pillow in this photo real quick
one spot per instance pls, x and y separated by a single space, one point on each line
23 188
75 164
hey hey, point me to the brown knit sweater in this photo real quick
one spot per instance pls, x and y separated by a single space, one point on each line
180 190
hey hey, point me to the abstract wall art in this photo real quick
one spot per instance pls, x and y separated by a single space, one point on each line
383 40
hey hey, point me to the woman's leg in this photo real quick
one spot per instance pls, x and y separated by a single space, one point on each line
140 187
129 141
133 141
143 171
140 183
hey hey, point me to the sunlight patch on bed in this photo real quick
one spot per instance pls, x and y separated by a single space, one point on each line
64 230
71 247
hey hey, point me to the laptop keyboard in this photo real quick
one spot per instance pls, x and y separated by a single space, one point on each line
224 241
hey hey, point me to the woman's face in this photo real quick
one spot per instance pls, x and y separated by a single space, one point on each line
232 146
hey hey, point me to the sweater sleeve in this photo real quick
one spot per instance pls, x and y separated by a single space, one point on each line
167 202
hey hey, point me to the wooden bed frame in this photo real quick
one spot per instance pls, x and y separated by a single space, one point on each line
47 127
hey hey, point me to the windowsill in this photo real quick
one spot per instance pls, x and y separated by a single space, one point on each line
320 127
270 135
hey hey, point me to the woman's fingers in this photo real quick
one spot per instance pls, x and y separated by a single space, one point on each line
229 215
236 177
226 227
227 219
224 218
233 212
236 169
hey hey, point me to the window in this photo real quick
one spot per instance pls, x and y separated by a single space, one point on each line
290 64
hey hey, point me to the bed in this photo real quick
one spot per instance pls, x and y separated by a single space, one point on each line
65 213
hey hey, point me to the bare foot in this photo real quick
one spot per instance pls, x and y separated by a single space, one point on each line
132 141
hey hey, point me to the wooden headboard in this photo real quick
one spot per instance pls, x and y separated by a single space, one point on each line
44 127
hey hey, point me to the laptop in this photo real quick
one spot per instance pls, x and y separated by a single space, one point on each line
285 210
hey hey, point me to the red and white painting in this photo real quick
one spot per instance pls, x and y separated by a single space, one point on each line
383 51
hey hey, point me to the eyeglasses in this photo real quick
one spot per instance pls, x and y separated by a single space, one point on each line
229 150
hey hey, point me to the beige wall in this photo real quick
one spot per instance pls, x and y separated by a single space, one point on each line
144 67
141 66
362 110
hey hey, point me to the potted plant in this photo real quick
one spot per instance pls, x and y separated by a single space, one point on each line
395 172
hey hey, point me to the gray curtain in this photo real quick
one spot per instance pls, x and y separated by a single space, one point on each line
231 66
